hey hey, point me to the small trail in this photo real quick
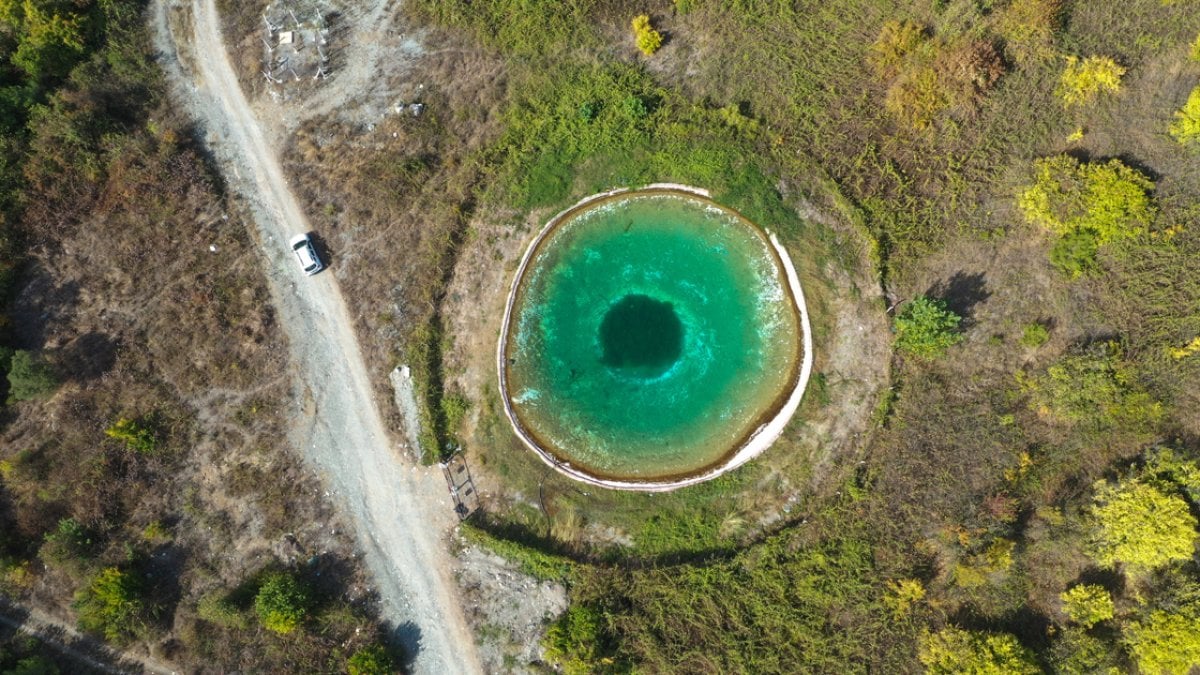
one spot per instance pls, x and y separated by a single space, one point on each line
83 649
401 512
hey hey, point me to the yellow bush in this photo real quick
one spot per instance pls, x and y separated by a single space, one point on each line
1029 28
648 39
1082 81
896 41
916 97
1186 127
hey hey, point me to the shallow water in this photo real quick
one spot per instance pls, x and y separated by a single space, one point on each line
651 335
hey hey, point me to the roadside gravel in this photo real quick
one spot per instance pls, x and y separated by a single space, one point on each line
401 512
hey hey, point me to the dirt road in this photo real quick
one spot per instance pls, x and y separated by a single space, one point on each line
401 512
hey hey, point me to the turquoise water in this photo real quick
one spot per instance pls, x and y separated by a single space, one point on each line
651 334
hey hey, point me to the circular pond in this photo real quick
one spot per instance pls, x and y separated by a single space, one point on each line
652 339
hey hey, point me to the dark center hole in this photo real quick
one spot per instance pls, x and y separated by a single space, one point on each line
642 334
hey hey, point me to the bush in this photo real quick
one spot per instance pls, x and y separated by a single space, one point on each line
573 642
953 651
1074 253
216 608
1093 388
29 377
1186 127
648 39
282 602
1087 604
1074 652
896 41
1165 643
68 543
926 328
1137 525
136 435
1082 81
371 660
1035 335
111 605
1029 28
1108 198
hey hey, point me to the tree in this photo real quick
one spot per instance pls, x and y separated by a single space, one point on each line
648 39
29 377
1082 81
1137 525
282 602
1186 127
371 660
111 605
1165 644
1087 604
33 665
953 651
926 328
1074 652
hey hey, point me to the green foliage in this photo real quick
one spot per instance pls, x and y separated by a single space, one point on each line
111 605
1107 198
282 602
371 660
134 434
1074 253
217 608
50 42
1137 525
1095 389
535 563
896 42
926 328
953 651
575 642
902 595
1082 81
29 377
33 665
648 39
1087 604
68 543
1035 335
1030 27
521 27
1165 643
1075 652
1186 127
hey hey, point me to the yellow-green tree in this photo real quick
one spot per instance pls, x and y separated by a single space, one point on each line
648 39
1165 643
1139 526
1087 604
953 651
1109 198
1082 81
1186 127
371 660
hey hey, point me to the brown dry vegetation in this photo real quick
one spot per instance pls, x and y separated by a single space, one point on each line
141 289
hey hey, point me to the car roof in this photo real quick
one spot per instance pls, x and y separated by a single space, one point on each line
300 238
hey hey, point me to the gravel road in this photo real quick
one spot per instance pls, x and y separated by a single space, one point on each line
401 512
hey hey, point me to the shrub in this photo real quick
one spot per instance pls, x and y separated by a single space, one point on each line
1035 335
925 328
216 608
1087 604
1066 196
111 605
1074 652
916 97
648 39
33 665
68 543
1074 253
136 435
896 41
1137 525
282 602
1082 81
573 641
29 377
1165 643
953 651
902 595
1186 127
371 660
1093 388
1029 28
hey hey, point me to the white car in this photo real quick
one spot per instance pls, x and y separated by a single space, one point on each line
306 254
